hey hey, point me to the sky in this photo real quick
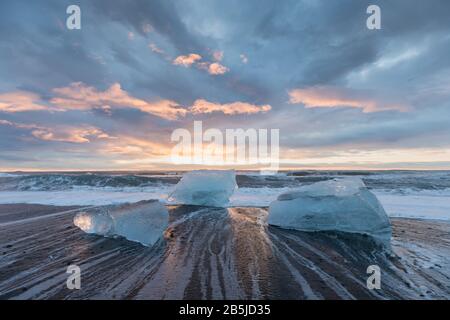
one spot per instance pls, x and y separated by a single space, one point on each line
109 96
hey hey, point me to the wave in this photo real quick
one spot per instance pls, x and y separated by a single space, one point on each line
399 182
52 182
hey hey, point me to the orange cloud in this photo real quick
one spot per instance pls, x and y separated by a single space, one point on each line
216 69
187 61
330 97
203 106
78 96
20 101
129 146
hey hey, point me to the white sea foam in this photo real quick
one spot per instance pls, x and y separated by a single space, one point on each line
416 206
84 197
8 175
425 204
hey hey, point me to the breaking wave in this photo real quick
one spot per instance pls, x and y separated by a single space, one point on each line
53 182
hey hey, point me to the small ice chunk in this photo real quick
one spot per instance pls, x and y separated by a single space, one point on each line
205 188
142 222
339 204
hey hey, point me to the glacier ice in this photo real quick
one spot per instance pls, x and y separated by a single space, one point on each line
205 188
142 222
99 222
339 204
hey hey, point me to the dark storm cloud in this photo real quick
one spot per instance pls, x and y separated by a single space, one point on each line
160 14
36 49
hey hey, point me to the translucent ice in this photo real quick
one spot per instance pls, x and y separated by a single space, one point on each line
142 222
340 204
99 222
205 188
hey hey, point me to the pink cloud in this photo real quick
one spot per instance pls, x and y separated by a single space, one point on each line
203 106
187 61
155 48
79 96
71 134
331 97
20 101
218 55
213 68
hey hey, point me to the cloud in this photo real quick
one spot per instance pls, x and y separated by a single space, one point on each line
155 48
214 68
135 147
71 134
332 97
17 125
162 15
20 101
217 69
79 96
218 55
147 28
407 63
187 61
203 106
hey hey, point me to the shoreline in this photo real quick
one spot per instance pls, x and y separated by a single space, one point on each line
219 254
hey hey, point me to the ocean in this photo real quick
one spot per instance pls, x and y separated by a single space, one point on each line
408 194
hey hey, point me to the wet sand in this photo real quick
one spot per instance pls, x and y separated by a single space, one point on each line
14 212
210 253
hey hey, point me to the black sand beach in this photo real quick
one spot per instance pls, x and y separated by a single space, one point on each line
210 253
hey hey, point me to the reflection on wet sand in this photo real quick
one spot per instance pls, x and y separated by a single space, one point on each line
214 253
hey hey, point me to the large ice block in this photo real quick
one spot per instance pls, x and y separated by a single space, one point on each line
205 188
142 222
339 204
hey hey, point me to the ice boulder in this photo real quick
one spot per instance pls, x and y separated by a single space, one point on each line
205 188
339 204
142 222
